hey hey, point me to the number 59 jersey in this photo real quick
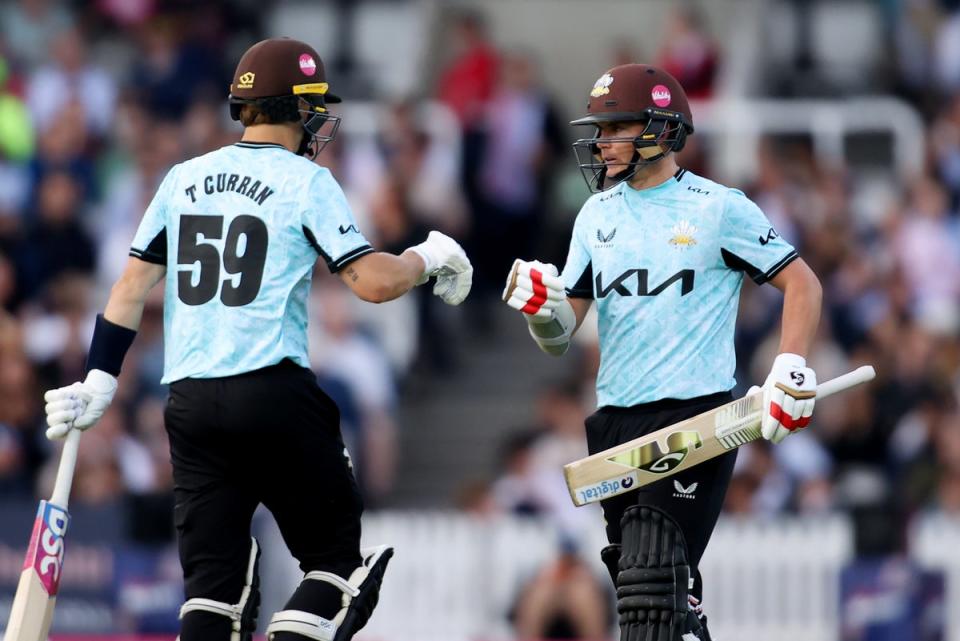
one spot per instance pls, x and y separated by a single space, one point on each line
239 230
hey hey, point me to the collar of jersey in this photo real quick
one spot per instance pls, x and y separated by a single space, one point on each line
258 145
656 190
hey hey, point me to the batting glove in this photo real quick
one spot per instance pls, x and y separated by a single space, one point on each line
534 288
453 287
79 405
789 394
444 258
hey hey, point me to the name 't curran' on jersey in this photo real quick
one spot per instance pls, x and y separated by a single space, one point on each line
664 266
239 230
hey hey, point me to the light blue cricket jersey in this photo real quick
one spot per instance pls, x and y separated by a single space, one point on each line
239 230
664 266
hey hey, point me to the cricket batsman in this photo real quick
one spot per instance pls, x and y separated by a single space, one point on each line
663 253
234 235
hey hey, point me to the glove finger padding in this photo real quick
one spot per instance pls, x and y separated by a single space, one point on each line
454 288
63 393
789 395
64 406
57 431
521 304
79 405
62 416
551 287
534 288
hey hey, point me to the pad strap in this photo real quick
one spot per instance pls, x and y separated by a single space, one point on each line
335 580
232 612
305 624
243 614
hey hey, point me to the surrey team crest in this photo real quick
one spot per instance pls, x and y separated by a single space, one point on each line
602 86
683 234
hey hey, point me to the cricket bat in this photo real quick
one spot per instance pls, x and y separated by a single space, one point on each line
679 446
36 595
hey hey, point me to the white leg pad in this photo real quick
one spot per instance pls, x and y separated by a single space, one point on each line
233 612
316 627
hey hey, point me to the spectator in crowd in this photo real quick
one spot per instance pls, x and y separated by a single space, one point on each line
28 26
466 84
944 141
687 52
64 146
339 349
522 138
20 450
927 247
17 144
170 71
55 241
423 165
518 489
203 128
563 600
71 78
16 128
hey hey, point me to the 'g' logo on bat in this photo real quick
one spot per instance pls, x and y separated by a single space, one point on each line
658 460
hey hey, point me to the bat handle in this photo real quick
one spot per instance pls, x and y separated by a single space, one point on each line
68 462
846 381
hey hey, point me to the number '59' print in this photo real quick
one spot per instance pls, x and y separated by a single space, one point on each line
244 254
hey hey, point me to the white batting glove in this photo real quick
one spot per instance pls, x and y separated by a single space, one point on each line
789 394
444 258
79 405
453 287
534 288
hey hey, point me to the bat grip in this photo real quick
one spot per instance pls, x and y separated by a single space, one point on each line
68 462
845 381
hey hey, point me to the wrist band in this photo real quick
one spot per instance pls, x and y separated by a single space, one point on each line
109 345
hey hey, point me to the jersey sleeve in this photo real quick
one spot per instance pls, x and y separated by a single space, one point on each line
749 243
150 242
328 223
578 270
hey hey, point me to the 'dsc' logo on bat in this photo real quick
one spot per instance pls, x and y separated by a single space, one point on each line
45 554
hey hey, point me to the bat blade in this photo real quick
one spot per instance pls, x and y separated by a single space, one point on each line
36 595
32 609
663 453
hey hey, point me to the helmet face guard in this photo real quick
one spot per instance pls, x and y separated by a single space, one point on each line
664 130
320 126
309 110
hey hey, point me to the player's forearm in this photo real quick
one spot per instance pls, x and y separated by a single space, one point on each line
127 299
380 277
802 300
124 310
117 327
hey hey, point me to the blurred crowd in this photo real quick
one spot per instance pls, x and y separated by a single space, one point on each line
98 100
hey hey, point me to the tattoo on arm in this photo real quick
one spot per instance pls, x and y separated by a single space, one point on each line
352 273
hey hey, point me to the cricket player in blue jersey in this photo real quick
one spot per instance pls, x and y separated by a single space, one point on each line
234 235
662 253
